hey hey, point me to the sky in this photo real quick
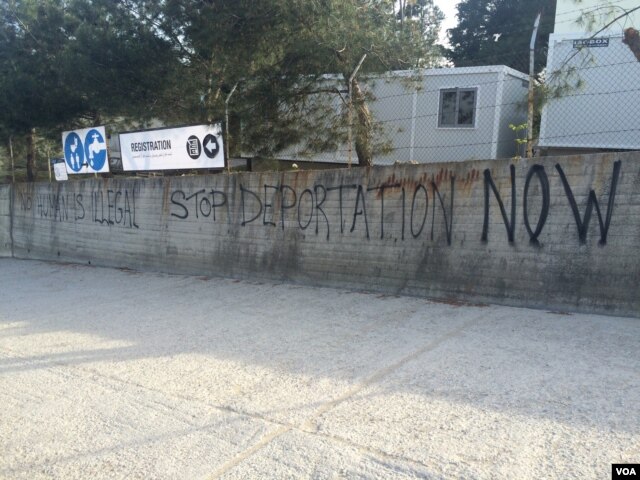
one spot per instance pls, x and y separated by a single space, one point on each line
449 9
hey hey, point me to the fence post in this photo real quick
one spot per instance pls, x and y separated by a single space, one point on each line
532 46
350 111
226 127
13 173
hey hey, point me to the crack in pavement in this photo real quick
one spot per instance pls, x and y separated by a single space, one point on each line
309 427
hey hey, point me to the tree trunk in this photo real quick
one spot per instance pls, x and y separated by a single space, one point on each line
13 167
31 156
363 127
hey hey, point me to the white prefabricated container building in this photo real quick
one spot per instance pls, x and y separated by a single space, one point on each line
601 112
447 114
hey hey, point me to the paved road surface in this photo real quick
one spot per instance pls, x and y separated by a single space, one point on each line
116 374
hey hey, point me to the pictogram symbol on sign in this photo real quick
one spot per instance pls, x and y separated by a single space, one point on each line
95 149
194 148
74 152
211 145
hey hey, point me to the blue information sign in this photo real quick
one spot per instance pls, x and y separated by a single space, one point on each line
95 149
74 152
85 150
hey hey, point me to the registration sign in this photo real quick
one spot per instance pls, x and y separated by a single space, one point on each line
198 146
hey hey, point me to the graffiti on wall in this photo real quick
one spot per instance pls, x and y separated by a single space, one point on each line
201 204
282 205
277 206
398 209
582 223
111 207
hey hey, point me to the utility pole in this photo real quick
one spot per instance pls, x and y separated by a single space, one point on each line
532 47
13 173
226 126
49 162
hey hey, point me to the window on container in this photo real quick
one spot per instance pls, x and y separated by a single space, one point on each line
457 107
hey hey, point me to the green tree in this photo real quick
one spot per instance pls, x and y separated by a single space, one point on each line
278 51
72 63
31 91
498 32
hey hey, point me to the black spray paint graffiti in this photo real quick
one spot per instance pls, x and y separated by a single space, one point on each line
248 197
25 201
314 200
447 225
509 225
201 203
60 207
285 202
113 207
592 201
539 172
119 205
350 210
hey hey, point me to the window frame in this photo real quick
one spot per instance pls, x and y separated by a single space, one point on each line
458 91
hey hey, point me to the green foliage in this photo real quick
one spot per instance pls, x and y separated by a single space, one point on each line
278 51
521 139
73 63
115 63
44 149
34 92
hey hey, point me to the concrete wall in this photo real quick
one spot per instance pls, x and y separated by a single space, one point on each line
433 230
5 220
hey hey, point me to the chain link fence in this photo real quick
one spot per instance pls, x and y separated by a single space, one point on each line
593 95
587 101
437 115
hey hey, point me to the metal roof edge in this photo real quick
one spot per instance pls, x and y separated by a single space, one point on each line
437 72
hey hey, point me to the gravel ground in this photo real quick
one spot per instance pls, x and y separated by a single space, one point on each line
117 374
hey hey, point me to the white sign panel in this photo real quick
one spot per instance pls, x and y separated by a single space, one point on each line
199 146
85 151
60 171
